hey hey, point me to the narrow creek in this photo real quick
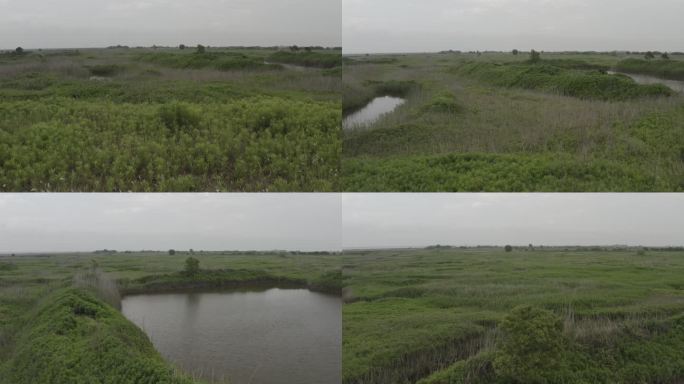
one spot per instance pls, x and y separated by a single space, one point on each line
372 111
267 336
675 85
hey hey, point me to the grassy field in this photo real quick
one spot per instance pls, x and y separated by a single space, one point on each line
144 119
60 319
534 315
499 122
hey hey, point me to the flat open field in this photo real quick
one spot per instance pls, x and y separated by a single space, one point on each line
167 119
499 122
59 315
483 315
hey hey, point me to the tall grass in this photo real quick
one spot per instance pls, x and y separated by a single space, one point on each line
459 131
103 286
620 313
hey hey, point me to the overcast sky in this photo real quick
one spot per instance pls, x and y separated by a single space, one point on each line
87 222
417 220
551 25
100 23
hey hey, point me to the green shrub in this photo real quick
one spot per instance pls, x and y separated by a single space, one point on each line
105 69
443 102
454 374
532 348
191 266
179 116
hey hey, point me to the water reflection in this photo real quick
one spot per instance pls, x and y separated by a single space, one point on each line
276 336
372 111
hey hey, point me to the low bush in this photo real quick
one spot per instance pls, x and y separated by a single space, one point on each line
533 346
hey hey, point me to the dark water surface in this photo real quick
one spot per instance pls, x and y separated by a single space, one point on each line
372 111
274 336
676 85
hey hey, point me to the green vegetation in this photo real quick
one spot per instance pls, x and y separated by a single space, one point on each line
166 120
191 266
500 122
71 337
446 315
308 59
222 61
59 318
556 79
666 69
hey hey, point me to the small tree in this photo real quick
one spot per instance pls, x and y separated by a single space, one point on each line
191 266
508 248
294 48
172 252
665 56
19 50
515 52
535 57
182 46
201 48
649 55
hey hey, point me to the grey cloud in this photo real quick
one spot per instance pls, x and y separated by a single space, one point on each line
85 222
552 25
406 220
98 23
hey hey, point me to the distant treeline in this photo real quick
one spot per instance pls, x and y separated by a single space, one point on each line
274 47
571 52
565 247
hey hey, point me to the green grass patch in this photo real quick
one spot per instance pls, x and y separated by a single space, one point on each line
666 69
250 144
223 61
553 78
478 172
308 59
71 337
533 315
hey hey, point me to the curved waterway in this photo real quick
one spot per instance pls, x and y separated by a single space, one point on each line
675 85
372 111
272 336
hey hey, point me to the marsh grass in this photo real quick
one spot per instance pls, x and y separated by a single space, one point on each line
103 286
125 100
666 69
454 115
619 311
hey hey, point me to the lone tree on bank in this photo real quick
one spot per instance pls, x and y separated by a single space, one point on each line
191 266
649 55
182 46
19 50
172 252
201 48
535 57
508 248
515 52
